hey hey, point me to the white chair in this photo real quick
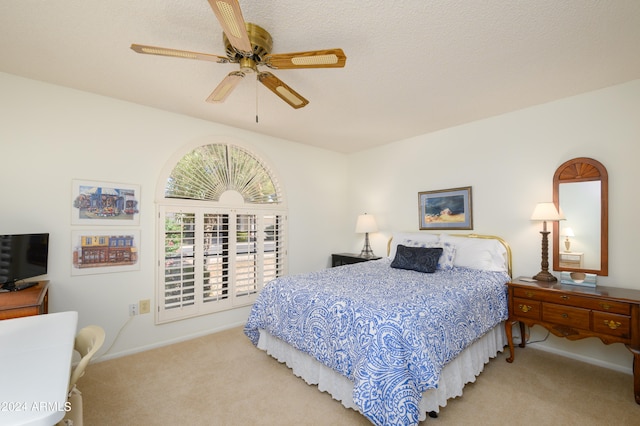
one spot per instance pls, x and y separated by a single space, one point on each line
88 341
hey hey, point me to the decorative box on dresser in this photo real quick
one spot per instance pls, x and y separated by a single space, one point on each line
30 301
610 313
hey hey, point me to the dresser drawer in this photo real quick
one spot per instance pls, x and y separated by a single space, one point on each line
526 308
592 303
610 306
573 300
614 325
566 315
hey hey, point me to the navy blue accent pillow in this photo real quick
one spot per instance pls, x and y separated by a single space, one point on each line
421 259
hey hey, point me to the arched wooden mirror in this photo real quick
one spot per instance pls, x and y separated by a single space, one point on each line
580 243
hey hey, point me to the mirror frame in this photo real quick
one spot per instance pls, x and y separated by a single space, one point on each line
583 169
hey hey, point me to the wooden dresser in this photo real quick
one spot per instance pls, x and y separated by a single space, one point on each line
612 314
30 301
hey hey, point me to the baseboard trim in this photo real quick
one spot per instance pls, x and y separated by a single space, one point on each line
578 357
168 342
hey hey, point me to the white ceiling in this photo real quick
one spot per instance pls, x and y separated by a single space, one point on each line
413 66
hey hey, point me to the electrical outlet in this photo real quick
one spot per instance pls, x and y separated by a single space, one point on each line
145 306
133 309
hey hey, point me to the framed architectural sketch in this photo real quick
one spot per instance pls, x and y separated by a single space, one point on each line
101 252
445 209
103 203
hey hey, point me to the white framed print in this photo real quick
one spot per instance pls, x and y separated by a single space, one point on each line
102 252
104 203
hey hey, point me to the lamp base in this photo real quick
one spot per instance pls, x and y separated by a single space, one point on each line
367 254
366 250
544 276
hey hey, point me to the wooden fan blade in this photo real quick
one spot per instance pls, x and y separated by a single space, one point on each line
225 87
162 51
331 58
285 92
230 17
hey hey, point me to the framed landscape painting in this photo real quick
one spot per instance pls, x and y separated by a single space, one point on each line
445 209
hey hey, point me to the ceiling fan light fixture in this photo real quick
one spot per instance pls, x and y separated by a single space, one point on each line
249 45
248 66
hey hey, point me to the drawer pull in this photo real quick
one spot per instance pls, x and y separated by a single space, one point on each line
529 294
524 308
564 315
612 324
605 306
564 297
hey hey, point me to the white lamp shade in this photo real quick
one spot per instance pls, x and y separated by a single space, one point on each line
568 232
366 223
546 212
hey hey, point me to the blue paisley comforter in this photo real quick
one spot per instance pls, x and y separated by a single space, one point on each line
390 331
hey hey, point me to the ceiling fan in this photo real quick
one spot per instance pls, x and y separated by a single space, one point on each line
250 46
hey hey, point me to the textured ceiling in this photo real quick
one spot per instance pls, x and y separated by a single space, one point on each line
413 66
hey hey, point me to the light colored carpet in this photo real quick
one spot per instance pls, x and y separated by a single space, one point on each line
222 379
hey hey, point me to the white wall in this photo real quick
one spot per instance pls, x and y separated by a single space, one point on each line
50 135
509 161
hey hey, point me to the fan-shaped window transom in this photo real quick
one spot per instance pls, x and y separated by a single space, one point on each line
208 171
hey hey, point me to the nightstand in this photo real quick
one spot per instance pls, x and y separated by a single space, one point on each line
338 259
609 313
571 259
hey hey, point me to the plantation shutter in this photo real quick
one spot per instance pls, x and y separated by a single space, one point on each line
217 255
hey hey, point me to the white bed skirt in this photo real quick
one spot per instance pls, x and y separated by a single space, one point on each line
455 375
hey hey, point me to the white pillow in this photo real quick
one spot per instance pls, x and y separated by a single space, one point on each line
477 253
410 239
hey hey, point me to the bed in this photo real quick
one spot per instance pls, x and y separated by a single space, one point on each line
393 338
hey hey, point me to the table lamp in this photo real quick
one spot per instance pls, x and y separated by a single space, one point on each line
567 232
545 212
365 224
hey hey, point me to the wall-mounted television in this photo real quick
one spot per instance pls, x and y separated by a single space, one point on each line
22 256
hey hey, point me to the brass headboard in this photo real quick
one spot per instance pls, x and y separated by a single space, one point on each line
487 237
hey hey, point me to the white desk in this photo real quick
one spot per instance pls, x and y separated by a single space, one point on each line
35 364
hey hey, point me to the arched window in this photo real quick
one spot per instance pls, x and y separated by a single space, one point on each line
221 232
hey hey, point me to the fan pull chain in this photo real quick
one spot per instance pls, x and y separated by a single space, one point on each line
256 99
